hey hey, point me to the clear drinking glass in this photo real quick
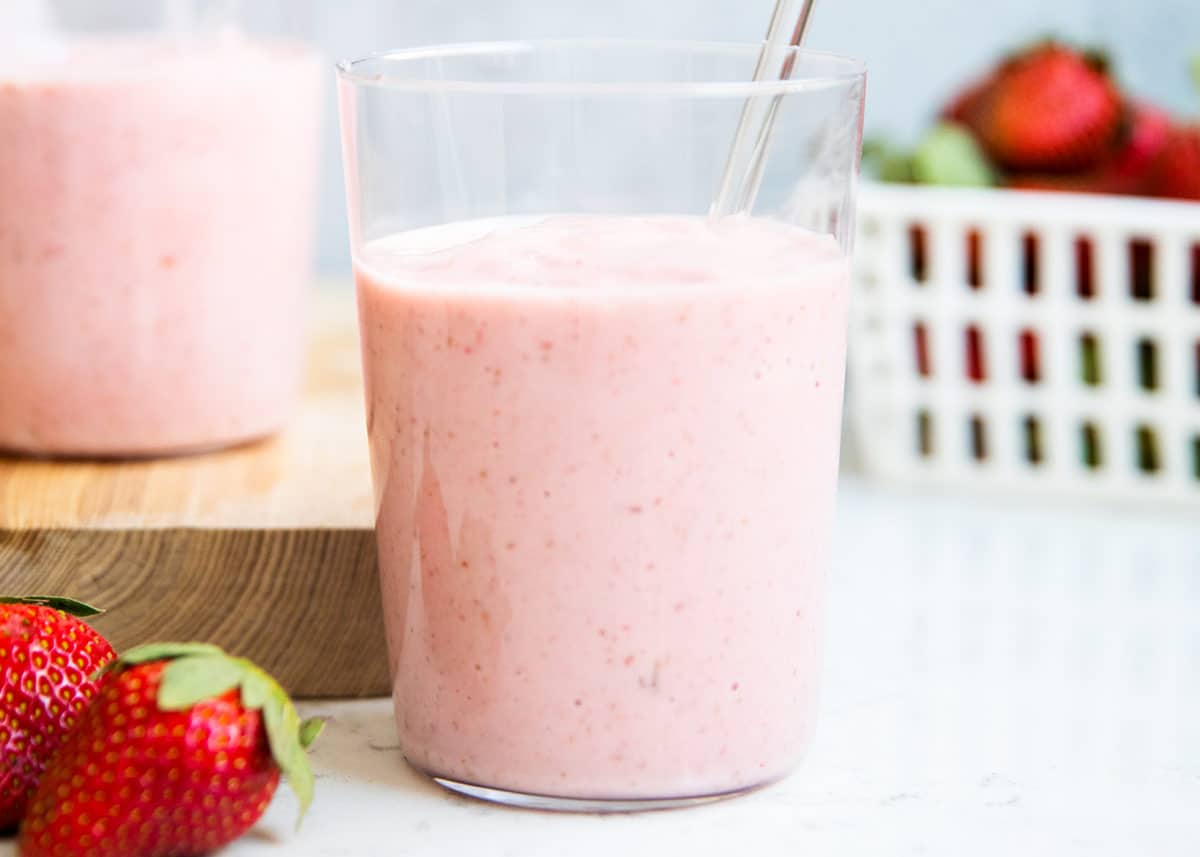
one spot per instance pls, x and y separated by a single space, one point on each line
604 430
158 164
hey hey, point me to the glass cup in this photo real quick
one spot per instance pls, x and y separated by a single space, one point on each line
604 429
158 169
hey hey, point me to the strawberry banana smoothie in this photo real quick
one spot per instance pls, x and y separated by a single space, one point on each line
605 453
156 201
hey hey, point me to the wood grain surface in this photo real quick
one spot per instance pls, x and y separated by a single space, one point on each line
266 549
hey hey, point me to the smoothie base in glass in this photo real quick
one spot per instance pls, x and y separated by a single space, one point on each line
605 455
155 229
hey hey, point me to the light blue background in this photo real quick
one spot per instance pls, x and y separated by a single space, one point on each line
917 51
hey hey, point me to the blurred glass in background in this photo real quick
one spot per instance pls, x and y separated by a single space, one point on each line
158 164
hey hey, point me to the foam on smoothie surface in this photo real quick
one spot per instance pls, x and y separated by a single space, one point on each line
570 251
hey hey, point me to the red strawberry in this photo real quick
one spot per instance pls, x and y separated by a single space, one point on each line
1051 109
1177 172
179 755
1130 169
47 658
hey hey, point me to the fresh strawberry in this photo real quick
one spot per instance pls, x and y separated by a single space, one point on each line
1130 169
179 755
1051 109
47 659
1177 172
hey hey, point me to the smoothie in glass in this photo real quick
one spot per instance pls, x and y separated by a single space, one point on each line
156 206
605 453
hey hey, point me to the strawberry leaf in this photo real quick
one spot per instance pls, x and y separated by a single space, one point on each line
310 731
288 737
950 156
1098 59
70 606
165 652
193 679
1196 73
257 690
886 162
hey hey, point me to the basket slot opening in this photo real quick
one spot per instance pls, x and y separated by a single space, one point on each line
1196 273
1085 272
978 433
1141 270
1090 368
1196 456
918 253
976 364
1090 446
1031 362
1032 429
974 259
925 434
1148 458
1031 263
1197 356
1147 361
921 349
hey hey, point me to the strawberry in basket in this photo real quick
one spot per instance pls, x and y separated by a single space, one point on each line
1050 109
1130 167
1177 174
1052 117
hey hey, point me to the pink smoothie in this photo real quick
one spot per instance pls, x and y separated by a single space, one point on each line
156 205
605 454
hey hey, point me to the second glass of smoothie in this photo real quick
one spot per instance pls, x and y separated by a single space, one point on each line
157 198
604 428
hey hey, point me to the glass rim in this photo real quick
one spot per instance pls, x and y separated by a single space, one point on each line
350 71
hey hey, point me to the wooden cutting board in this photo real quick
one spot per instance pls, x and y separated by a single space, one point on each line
266 550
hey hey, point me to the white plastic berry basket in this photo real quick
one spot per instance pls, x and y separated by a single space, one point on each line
1016 340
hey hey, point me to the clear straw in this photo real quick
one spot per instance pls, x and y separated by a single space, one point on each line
748 157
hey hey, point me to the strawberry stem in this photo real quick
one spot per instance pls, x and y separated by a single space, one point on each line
70 606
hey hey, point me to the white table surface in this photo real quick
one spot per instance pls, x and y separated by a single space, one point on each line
1003 678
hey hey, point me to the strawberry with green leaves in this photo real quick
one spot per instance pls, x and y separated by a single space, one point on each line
180 754
1049 109
48 656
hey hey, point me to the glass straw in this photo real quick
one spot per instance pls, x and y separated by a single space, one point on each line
747 159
